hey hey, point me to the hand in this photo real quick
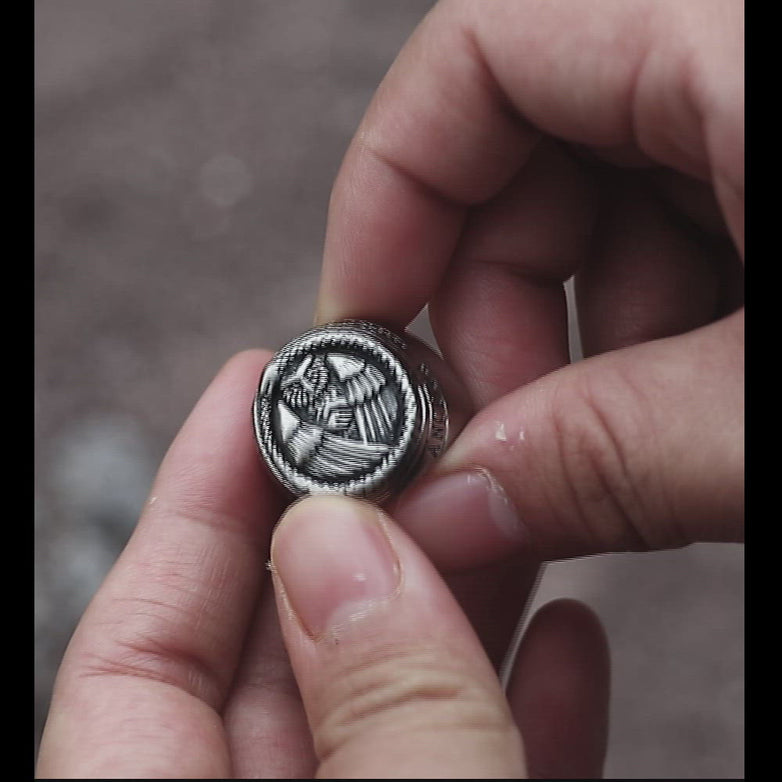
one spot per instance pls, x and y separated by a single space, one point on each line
503 152
511 146
178 667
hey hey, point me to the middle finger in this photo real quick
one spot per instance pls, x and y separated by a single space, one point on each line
500 317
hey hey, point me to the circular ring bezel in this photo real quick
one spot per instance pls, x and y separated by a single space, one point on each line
399 460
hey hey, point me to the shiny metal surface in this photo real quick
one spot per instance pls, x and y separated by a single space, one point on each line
350 408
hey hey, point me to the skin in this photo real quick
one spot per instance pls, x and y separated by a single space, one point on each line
510 147
183 666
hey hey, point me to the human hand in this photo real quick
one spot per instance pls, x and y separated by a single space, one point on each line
510 146
178 668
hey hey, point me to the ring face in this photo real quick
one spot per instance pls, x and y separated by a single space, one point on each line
341 409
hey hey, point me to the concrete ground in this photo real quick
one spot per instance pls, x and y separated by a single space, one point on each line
184 158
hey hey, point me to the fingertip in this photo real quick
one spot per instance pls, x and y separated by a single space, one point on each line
570 616
383 656
570 636
559 691
323 311
245 360
461 519
333 560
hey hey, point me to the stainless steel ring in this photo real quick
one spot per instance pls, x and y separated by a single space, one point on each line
354 408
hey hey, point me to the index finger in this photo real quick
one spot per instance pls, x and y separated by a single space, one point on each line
462 106
150 665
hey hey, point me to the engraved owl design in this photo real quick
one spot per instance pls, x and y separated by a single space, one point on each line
337 416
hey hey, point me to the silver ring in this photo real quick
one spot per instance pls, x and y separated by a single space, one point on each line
352 408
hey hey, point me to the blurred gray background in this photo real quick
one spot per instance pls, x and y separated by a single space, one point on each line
185 153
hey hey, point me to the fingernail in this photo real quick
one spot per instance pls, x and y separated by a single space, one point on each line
461 518
334 561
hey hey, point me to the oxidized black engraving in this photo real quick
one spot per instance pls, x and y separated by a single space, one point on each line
343 409
336 417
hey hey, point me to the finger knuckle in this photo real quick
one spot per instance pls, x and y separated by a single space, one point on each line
147 633
405 689
603 434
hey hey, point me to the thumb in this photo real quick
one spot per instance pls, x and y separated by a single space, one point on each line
639 448
393 679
